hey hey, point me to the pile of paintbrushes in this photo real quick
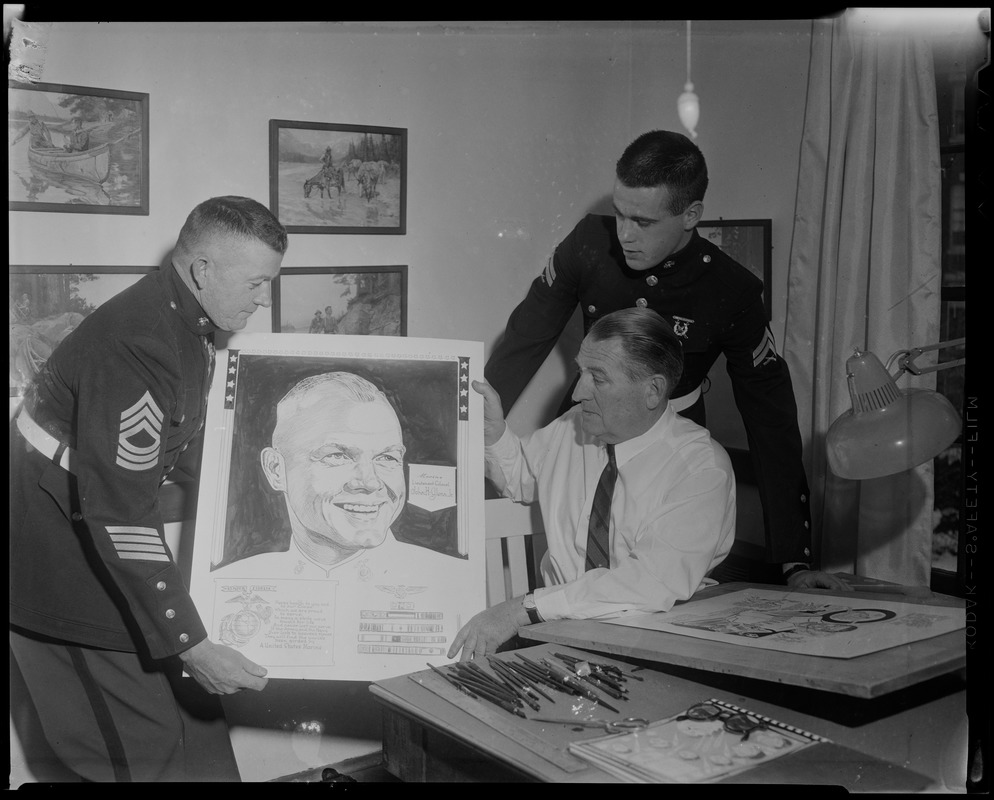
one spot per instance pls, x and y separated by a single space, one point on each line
512 685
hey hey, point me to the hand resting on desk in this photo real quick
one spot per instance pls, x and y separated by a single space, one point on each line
813 579
489 629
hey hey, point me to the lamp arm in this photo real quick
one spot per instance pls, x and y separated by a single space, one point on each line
906 358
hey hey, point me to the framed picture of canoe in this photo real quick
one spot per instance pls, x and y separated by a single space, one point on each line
347 300
328 178
47 303
75 149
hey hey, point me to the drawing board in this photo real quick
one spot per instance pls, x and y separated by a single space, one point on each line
829 625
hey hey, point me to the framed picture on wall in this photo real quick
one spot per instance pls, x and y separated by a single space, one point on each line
47 303
74 149
327 178
748 241
342 300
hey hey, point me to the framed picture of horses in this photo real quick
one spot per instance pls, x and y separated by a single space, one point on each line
748 241
75 149
49 302
343 300
329 178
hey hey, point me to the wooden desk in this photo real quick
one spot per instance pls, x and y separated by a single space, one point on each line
868 676
915 747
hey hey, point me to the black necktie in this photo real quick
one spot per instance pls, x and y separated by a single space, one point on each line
598 546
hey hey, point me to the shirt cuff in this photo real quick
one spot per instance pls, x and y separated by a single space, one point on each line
503 447
550 601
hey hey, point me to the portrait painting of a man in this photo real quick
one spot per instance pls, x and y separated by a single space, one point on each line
339 492
338 457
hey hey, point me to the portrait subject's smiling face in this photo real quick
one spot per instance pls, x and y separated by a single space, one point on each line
344 468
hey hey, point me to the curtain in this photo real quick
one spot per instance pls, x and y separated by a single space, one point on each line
864 272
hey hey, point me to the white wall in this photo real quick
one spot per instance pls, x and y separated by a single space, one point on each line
513 131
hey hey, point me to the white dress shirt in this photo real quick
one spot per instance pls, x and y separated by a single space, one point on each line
672 514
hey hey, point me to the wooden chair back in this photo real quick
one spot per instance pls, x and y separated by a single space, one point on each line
515 543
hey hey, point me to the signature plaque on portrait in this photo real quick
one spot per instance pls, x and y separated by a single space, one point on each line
340 524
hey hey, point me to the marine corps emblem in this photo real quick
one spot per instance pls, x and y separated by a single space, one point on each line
681 326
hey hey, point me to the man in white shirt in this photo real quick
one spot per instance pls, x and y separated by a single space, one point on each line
672 513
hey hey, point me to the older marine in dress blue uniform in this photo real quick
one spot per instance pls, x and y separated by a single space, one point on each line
101 622
126 392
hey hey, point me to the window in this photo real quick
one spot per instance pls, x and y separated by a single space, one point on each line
956 62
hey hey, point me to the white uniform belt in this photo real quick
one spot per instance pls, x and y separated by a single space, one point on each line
41 441
686 400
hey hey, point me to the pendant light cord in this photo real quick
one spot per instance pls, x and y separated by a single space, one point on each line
688 51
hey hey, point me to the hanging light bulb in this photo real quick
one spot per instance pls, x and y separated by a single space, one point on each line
687 104
689 109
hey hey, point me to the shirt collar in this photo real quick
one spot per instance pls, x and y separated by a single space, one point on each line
182 300
627 450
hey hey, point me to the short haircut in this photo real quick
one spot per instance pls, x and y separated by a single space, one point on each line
646 339
231 215
664 158
349 385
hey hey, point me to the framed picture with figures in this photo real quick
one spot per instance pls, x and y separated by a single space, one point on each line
748 241
335 178
75 149
342 300
47 303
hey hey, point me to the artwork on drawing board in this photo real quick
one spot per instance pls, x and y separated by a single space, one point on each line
709 741
823 625
340 525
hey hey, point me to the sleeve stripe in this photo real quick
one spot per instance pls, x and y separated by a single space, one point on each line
134 538
136 542
144 556
133 529
128 547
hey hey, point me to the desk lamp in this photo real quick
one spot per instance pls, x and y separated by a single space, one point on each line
889 430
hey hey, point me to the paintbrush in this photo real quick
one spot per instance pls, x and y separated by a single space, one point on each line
572 681
479 695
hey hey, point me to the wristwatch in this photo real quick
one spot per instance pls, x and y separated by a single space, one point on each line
798 567
529 603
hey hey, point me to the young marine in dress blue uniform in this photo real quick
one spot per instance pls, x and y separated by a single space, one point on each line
714 304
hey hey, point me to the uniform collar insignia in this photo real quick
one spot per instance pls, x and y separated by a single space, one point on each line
186 305
687 256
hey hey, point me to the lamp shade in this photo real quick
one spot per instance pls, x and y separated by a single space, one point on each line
888 430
